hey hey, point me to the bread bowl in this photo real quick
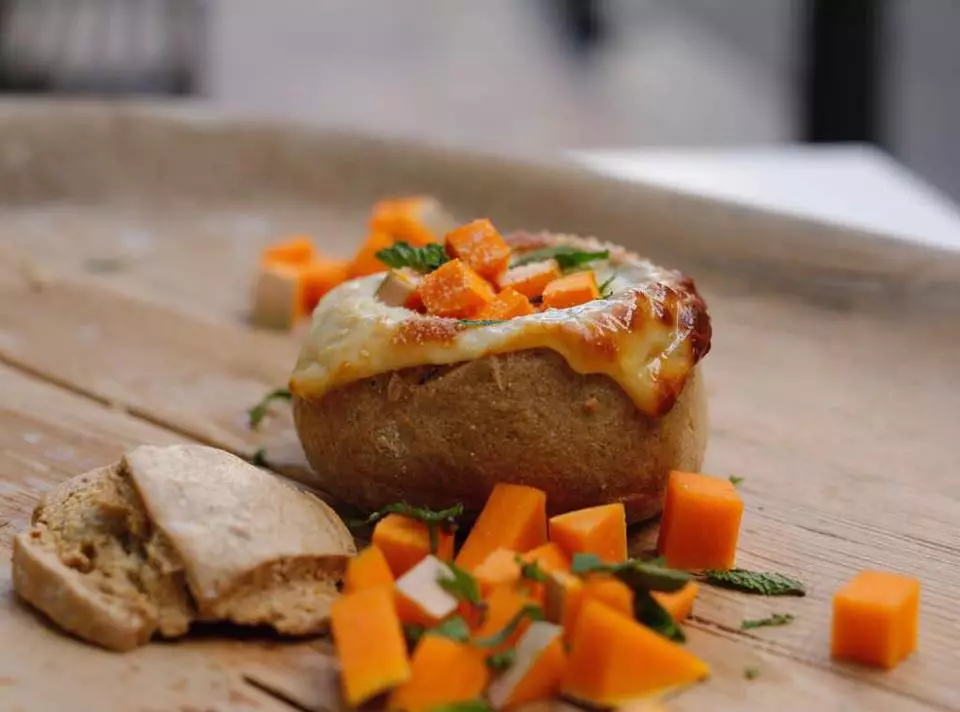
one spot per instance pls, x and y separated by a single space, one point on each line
593 403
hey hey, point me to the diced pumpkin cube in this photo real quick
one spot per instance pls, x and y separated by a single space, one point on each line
296 250
502 567
421 599
405 542
507 305
369 642
279 296
444 672
498 569
566 593
700 523
417 219
365 261
600 530
875 619
537 669
514 517
480 246
503 603
610 591
399 289
549 557
530 279
368 569
454 290
319 277
571 290
679 604
614 659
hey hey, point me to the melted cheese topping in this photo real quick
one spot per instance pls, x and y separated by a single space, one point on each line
647 336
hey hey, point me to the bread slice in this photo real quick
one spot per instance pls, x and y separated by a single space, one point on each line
256 551
96 566
172 535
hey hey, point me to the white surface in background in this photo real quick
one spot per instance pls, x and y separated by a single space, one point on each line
855 186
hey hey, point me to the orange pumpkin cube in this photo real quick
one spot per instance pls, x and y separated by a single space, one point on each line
514 517
535 674
614 659
418 219
875 619
295 250
600 530
368 569
319 277
679 604
530 279
365 262
503 603
700 523
508 304
443 672
405 542
571 290
610 591
370 646
454 290
479 245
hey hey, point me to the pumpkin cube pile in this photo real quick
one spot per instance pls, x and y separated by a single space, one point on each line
528 609
433 266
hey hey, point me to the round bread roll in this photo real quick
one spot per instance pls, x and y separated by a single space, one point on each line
593 404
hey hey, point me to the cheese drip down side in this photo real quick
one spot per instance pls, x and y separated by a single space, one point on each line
647 335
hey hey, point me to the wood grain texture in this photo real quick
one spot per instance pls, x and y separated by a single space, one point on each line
48 435
832 382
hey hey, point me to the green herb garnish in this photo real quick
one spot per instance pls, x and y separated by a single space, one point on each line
413 633
735 480
455 628
751 673
647 611
531 611
567 256
462 586
531 571
422 259
436 520
479 322
638 575
498 662
259 457
469 706
606 290
259 411
763 583
776 619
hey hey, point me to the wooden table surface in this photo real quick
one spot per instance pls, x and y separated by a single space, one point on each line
122 321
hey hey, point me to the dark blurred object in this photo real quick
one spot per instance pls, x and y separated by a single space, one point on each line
102 46
585 21
843 70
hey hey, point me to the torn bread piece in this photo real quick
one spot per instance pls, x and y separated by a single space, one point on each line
175 534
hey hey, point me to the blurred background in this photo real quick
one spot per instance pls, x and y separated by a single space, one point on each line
525 77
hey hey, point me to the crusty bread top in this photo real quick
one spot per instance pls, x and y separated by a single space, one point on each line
647 334
226 517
